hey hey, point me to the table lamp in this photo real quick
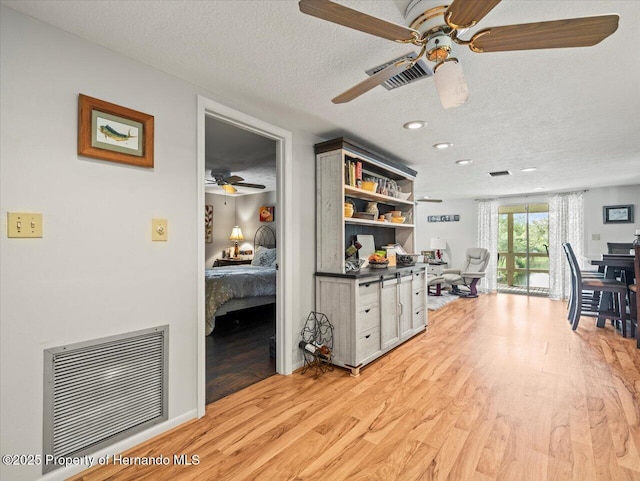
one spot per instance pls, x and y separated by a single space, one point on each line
236 235
438 245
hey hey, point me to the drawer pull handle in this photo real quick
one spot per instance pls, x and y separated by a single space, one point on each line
367 310
367 336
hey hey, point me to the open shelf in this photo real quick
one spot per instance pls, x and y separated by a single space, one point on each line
373 197
376 223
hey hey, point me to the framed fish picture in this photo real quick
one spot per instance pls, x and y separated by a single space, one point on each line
110 132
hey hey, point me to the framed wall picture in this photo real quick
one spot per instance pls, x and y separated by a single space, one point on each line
110 132
617 214
208 224
266 213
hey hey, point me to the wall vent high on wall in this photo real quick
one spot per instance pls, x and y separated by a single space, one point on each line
418 71
98 392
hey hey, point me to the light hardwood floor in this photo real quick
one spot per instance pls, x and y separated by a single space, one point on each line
498 388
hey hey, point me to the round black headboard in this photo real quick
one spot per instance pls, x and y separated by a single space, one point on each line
264 237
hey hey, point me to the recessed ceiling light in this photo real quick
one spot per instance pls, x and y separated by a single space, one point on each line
538 188
415 124
443 145
528 169
464 161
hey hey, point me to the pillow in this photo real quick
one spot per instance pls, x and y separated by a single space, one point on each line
264 257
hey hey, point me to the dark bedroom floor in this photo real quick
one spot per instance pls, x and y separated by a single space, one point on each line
238 351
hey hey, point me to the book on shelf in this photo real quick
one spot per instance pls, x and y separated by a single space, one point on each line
353 172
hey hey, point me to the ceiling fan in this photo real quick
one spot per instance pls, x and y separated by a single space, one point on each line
224 179
436 29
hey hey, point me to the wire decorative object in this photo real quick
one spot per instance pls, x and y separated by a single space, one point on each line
317 344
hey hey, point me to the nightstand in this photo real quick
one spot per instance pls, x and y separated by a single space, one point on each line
230 261
436 269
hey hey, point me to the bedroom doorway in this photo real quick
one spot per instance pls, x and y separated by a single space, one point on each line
241 299
235 329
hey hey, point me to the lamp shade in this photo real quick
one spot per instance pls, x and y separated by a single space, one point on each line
450 83
438 244
236 234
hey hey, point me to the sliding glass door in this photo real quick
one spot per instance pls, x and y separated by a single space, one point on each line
523 256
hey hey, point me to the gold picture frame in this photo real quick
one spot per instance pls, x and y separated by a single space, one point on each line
111 132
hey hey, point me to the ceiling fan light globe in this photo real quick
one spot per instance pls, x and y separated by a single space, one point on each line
450 84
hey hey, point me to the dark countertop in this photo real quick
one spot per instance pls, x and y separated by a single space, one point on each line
368 272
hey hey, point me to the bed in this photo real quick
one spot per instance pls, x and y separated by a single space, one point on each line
233 288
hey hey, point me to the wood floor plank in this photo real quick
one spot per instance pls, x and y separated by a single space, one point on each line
497 388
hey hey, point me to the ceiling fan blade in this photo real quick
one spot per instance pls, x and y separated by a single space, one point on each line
570 32
233 179
252 186
336 13
373 81
466 13
229 188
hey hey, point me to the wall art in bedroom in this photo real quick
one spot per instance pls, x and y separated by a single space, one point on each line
208 224
110 132
266 213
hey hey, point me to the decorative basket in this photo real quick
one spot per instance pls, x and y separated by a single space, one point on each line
378 265
406 259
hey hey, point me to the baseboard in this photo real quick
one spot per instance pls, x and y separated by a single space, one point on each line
121 446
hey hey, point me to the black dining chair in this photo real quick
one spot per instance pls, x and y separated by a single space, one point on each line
585 289
587 297
619 247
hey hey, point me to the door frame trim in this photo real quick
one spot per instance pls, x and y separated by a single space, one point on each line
284 196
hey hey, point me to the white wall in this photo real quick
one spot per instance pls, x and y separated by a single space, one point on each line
248 216
458 235
95 272
594 201
242 211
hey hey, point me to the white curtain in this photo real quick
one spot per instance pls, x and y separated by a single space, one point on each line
566 224
488 238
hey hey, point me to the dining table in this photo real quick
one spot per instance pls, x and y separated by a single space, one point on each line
614 266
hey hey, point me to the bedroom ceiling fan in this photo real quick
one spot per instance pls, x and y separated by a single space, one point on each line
436 29
224 179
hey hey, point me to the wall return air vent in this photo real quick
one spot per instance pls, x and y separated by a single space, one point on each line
98 392
418 71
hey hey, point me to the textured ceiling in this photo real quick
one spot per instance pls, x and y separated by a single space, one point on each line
572 113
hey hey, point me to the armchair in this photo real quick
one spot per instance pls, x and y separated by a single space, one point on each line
477 260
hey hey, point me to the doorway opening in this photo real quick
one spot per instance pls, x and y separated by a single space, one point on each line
208 109
523 249
240 291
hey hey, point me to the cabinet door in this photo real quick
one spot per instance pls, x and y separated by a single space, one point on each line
389 333
405 298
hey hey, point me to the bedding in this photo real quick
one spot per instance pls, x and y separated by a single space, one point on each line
232 282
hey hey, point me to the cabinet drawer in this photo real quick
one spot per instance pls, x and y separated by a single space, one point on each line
368 344
368 317
418 317
368 293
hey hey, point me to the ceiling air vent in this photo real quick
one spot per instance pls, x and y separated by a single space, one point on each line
498 173
418 71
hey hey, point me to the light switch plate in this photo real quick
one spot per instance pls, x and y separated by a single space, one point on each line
159 230
595 236
24 224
